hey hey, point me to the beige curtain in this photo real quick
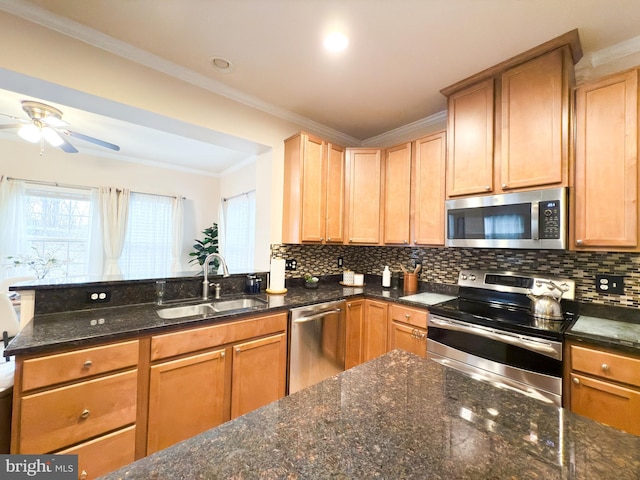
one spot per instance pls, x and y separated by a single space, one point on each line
114 205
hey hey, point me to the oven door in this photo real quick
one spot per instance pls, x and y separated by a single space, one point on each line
530 365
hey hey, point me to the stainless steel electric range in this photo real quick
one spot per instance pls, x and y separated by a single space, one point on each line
490 332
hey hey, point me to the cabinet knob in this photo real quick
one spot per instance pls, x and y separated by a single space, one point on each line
222 354
504 185
406 242
487 188
87 364
328 239
83 475
348 305
238 350
605 367
351 240
407 316
321 238
579 241
576 380
85 414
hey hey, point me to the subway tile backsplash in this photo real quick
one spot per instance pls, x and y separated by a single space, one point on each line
442 265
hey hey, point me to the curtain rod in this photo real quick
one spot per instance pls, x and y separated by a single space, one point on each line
80 187
224 199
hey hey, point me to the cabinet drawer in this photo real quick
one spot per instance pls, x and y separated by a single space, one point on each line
65 367
185 341
411 316
57 418
104 454
607 365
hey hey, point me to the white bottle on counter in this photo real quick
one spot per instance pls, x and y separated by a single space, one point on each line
386 277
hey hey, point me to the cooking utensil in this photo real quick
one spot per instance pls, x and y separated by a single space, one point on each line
404 270
417 269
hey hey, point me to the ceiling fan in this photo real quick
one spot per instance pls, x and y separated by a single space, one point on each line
45 124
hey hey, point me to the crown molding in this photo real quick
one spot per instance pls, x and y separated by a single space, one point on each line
105 42
615 57
434 122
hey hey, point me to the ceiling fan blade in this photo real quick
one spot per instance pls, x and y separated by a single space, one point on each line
53 121
14 118
11 125
67 147
96 141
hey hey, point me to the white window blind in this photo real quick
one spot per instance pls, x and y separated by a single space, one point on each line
240 232
147 244
58 223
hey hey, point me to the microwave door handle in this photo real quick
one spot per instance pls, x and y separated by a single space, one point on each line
539 347
535 216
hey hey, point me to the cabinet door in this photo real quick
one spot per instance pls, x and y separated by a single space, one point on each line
259 373
408 337
397 194
186 397
606 172
606 403
428 190
470 127
335 194
313 190
375 329
535 115
364 173
354 351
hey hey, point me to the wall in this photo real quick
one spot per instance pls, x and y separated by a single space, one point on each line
442 265
20 159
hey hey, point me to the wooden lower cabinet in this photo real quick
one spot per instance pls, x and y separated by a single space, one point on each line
104 454
375 329
259 373
354 332
408 329
605 386
186 397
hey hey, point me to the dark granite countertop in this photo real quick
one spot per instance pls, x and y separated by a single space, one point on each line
400 417
78 328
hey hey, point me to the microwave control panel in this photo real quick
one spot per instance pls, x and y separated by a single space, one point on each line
549 219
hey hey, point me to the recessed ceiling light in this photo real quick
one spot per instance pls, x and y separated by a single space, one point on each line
336 42
222 64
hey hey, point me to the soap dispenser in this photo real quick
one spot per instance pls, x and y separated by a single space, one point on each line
386 277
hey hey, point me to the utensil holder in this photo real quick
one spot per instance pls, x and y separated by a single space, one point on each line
410 282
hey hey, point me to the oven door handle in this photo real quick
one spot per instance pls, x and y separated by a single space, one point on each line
534 346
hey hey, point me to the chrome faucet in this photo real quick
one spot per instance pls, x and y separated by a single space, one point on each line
205 266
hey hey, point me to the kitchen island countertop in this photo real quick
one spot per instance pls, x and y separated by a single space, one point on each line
400 416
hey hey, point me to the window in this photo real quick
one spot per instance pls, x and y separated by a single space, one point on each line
58 224
240 232
147 244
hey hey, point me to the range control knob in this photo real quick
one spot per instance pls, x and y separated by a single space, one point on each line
463 276
472 277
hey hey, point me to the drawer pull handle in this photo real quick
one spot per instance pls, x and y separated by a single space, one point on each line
87 364
605 367
83 475
85 414
576 381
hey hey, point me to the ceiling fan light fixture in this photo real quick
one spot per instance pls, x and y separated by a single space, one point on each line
52 137
336 41
30 133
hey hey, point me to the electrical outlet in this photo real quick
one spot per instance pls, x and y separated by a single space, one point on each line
290 264
340 262
98 296
610 284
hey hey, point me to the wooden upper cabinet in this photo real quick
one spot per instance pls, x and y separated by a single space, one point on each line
364 177
470 127
397 194
313 190
535 122
428 190
335 172
606 171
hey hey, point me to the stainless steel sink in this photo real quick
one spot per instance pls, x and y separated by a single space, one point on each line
211 308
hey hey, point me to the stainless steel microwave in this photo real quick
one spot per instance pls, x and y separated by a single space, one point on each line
534 219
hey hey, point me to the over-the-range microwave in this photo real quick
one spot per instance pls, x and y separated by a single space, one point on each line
535 219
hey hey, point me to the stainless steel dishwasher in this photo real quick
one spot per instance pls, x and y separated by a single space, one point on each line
317 343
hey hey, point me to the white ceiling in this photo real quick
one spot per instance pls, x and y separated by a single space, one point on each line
401 52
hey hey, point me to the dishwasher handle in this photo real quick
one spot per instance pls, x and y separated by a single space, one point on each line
315 316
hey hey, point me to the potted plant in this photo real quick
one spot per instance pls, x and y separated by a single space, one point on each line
41 265
208 244
310 281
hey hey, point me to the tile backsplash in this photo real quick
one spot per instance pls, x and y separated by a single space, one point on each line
442 265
